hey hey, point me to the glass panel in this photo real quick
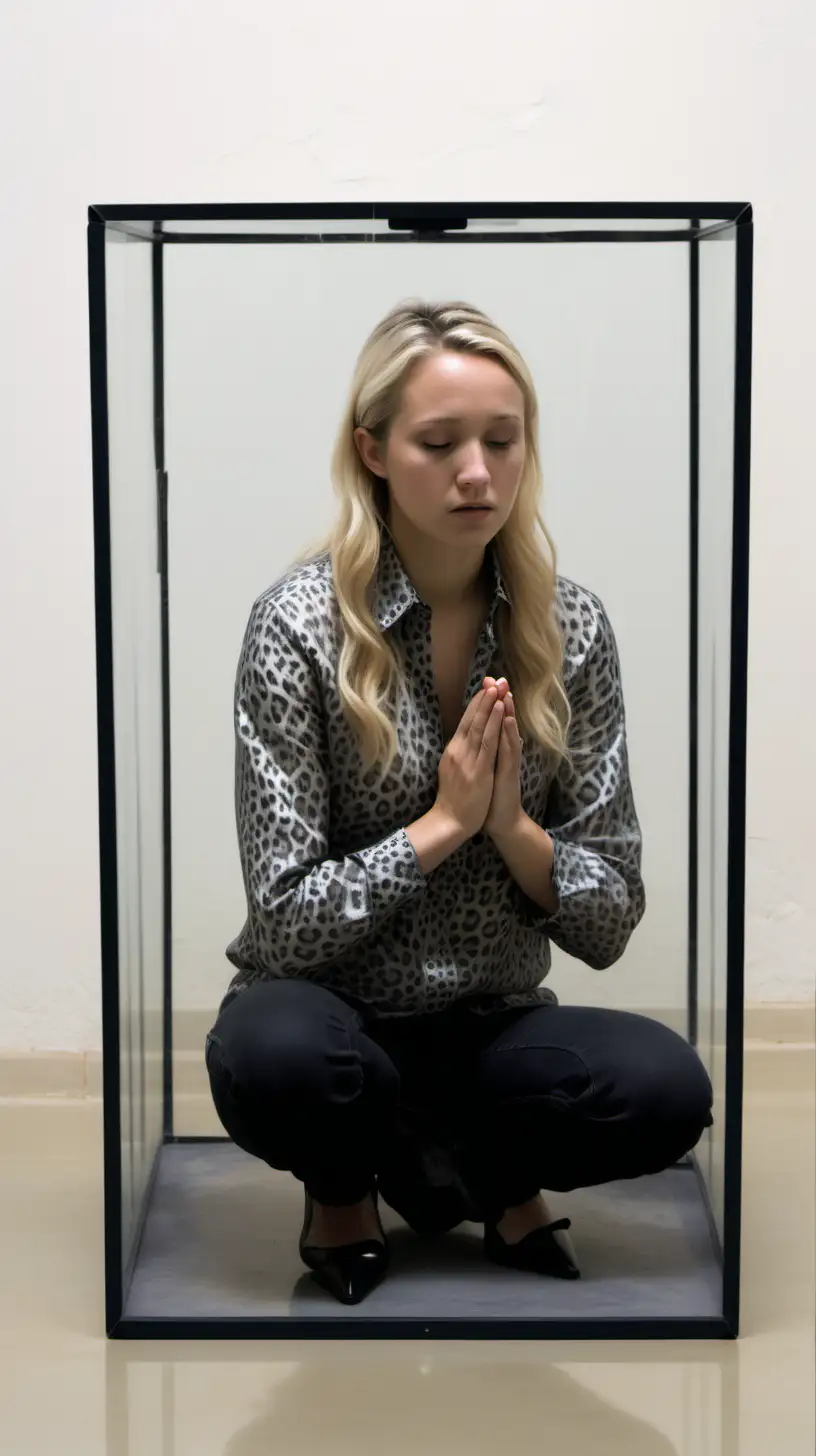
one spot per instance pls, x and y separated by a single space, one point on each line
136 612
717 349
260 344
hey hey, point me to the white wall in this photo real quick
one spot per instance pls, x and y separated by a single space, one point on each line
175 102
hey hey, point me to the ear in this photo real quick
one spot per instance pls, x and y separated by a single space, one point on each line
369 451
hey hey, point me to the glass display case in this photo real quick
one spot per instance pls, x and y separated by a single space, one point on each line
222 341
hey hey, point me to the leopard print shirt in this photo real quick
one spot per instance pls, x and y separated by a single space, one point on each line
333 885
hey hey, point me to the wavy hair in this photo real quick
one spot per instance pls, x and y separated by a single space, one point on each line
370 669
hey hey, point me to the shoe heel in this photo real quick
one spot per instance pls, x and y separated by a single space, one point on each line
547 1250
349 1271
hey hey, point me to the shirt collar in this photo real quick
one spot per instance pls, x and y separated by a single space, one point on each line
395 592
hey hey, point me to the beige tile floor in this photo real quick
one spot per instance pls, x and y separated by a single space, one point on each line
65 1389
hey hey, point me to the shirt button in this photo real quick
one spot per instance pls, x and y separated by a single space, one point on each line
478 838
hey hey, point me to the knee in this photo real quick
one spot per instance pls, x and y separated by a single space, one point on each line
673 1086
290 1060
294 1067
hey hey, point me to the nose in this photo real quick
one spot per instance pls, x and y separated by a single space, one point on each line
474 468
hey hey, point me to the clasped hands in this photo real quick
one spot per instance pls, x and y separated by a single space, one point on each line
505 806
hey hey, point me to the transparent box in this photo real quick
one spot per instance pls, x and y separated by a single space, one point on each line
222 343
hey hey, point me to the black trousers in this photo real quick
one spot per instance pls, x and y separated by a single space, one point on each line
455 1115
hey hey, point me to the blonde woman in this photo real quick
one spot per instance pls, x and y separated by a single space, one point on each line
432 785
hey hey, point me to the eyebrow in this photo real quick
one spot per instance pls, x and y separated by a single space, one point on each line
457 419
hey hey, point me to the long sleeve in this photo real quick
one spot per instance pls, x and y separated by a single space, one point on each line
591 816
304 908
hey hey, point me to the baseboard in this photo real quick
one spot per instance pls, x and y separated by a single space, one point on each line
72 1075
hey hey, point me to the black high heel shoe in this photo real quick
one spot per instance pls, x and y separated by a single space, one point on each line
350 1271
546 1250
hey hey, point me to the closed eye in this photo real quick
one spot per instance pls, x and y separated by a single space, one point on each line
494 445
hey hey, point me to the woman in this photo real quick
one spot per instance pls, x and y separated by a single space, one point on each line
431 785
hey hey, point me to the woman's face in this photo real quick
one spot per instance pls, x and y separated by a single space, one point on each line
458 438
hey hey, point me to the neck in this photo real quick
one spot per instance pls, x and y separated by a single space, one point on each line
447 578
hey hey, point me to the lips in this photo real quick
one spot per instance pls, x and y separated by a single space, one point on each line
471 508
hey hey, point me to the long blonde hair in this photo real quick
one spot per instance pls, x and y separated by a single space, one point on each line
370 669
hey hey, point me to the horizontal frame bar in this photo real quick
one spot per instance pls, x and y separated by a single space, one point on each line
712 1327
267 211
415 222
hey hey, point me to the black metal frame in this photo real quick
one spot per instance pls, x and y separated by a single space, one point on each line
694 616
414 222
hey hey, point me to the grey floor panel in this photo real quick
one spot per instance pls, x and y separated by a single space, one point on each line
221 1234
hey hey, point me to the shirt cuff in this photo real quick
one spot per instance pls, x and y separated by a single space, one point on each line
392 872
